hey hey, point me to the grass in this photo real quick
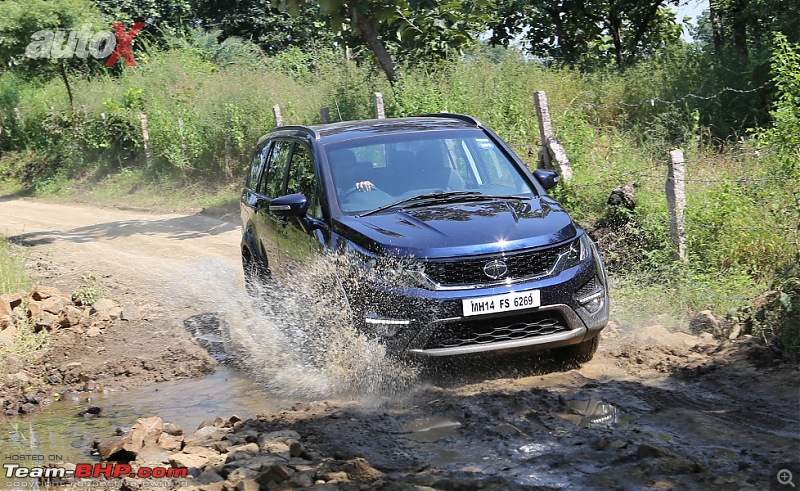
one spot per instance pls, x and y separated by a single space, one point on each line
13 277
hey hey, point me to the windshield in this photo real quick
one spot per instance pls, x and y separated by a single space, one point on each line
373 172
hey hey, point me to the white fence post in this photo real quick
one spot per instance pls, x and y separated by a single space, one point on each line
676 201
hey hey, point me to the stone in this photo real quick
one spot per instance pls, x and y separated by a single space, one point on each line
334 476
360 469
103 305
144 431
93 331
46 321
5 307
276 473
189 461
153 455
242 452
247 485
214 486
71 316
55 305
170 442
13 300
241 473
200 451
19 379
6 321
647 450
34 310
54 379
130 312
280 436
107 447
115 313
623 195
708 321
172 429
277 448
6 337
43 293
208 477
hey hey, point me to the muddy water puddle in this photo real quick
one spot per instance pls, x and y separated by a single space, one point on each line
60 432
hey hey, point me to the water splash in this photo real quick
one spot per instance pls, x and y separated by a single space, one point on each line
298 340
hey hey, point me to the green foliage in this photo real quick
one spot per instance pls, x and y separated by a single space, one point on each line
13 277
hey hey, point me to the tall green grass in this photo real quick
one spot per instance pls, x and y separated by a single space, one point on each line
13 276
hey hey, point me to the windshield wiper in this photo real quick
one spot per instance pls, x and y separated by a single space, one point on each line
439 197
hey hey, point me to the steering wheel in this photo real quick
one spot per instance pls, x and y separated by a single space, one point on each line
348 194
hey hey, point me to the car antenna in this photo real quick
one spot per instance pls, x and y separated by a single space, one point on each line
338 111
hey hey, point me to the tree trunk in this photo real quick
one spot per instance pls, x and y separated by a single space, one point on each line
66 83
712 13
740 26
375 44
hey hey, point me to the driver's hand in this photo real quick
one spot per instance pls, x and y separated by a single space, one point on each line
364 186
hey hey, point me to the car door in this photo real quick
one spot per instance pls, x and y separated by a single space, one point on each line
290 241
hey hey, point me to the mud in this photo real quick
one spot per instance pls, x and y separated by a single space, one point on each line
654 409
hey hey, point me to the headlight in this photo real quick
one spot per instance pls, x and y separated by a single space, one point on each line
579 251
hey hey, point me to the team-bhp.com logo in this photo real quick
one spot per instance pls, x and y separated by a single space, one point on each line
111 471
83 42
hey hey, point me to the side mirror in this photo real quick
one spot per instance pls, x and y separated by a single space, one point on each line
547 178
291 205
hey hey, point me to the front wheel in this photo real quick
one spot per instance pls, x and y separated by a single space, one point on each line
581 352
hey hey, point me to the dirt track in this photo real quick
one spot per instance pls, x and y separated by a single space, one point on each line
653 409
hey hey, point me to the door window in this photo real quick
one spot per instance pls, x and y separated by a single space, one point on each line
278 162
302 178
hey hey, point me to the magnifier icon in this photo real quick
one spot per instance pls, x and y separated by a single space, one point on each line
785 477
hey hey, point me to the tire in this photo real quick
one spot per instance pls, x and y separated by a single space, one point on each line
254 274
581 352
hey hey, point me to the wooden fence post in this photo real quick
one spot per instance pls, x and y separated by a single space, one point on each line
551 148
145 137
676 201
276 110
379 112
325 115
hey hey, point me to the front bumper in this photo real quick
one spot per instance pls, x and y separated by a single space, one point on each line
431 322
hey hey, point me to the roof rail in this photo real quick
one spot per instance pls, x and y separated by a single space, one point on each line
305 129
462 117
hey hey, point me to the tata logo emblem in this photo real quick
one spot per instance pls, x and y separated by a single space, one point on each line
496 269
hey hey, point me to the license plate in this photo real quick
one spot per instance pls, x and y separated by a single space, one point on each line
501 303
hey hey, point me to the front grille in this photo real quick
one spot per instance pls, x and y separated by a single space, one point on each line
589 288
471 333
465 272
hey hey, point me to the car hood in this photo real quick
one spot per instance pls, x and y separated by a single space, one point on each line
459 229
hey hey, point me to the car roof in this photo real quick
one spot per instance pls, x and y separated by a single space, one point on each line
347 130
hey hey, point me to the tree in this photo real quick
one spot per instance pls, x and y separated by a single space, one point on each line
262 23
573 31
53 26
427 24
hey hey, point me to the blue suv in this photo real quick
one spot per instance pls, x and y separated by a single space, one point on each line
457 246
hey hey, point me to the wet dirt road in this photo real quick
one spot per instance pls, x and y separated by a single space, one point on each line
654 409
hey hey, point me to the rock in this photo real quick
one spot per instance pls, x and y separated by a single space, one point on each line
214 486
19 379
208 477
191 462
71 316
47 321
295 449
242 452
277 448
334 476
115 313
54 379
276 473
94 410
153 455
109 446
170 442
103 305
736 331
55 305
5 307
144 431
359 468
239 474
6 337
6 321
130 312
172 429
647 450
247 485
43 293
200 451
708 321
278 436
27 408
34 310
204 435
623 195
93 331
